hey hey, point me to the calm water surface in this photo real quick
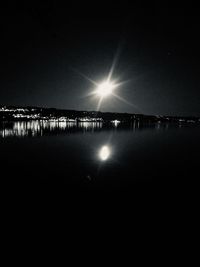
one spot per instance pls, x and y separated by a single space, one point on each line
96 156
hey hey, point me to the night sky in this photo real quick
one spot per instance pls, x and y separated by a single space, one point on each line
158 50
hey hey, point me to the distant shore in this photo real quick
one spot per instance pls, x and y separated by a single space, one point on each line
10 113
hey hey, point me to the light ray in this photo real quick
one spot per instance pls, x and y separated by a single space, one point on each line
125 101
84 76
99 103
122 99
114 63
122 83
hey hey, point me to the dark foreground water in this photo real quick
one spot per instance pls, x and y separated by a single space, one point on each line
100 177
141 159
100 184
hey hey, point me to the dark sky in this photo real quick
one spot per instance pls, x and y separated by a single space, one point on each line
42 44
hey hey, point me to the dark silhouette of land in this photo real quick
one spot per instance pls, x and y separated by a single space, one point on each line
10 113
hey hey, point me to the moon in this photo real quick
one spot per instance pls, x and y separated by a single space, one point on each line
105 89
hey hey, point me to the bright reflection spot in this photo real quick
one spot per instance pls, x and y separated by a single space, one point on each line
105 89
115 122
104 153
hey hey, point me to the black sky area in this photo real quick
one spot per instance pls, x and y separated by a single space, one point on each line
42 44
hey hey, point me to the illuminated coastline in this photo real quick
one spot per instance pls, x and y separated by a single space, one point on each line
74 116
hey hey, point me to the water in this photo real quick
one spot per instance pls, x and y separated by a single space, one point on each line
148 158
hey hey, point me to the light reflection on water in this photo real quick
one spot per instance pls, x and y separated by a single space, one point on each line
104 153
40 128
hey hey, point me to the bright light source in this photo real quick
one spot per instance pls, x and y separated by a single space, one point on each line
115 122
104 89
104 153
